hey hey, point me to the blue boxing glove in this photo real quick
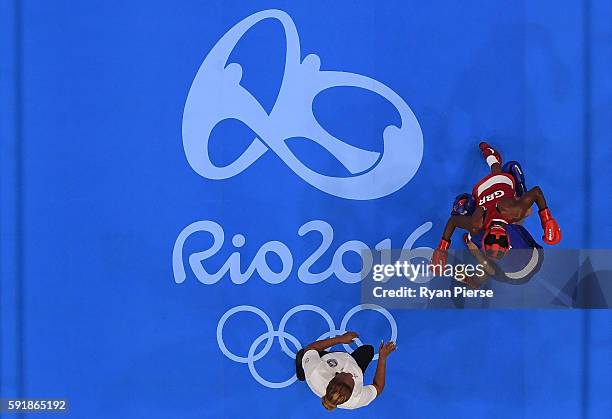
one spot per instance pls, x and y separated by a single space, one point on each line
464 204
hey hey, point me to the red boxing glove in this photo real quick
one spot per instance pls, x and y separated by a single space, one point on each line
440 255
552 232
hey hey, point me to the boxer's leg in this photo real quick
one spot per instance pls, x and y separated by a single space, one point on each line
491 156
514 168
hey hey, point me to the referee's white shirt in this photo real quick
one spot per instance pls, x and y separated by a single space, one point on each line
320 370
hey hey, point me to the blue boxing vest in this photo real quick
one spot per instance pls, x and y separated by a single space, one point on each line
518 266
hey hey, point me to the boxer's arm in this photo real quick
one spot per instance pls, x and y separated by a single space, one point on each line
534 195
472 223
552 232
482 260
475 281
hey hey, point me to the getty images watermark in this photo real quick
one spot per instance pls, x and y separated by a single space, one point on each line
525 278
422 272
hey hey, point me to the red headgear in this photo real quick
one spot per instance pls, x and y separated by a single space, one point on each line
496 241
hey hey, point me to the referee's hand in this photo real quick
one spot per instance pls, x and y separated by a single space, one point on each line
348 337
385 349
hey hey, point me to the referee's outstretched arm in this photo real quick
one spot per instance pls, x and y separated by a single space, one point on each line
323 344
381 368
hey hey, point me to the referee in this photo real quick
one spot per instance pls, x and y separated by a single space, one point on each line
337 377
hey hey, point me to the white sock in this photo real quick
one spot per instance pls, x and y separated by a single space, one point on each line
491 160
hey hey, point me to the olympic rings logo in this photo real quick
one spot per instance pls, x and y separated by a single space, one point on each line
282 335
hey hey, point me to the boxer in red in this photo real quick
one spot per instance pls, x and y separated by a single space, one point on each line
497 206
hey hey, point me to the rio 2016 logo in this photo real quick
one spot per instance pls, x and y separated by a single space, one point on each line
260 265
216 95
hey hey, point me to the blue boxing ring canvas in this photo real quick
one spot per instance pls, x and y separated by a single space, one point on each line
187 188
